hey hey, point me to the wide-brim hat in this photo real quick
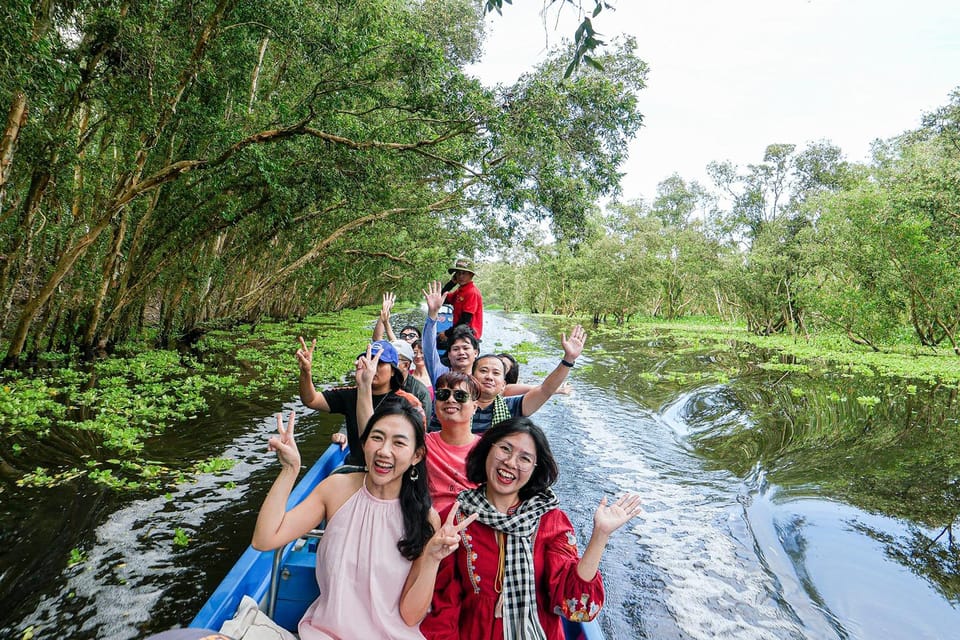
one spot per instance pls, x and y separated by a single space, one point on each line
462 264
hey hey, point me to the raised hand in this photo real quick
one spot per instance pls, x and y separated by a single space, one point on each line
573 346
447 539
366 367
609 518
434 297
284 444
305 355
389 298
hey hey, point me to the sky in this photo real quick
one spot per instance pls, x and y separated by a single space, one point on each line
729 77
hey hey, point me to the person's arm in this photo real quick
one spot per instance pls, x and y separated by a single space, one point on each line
565 592
443 620
464 318
428 342
275 525
517 389
606 520
366 370
572 347
420 585
383 321
308 393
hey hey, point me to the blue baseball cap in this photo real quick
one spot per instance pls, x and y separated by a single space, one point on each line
386 350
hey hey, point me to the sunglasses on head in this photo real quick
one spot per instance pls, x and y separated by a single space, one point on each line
459 395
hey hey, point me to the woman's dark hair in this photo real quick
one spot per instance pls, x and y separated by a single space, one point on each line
415 501
544 473
453 379
513 374
416 343
463 332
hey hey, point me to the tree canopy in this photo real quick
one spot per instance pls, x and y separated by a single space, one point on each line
189 162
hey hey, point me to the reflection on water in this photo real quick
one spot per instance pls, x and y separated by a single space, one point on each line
780 502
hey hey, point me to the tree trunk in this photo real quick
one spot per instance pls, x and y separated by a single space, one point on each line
16 119
110 266
255 76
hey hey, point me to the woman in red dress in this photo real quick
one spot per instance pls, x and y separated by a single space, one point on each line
517 569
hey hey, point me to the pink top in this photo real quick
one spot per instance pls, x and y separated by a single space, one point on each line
361 574
447 469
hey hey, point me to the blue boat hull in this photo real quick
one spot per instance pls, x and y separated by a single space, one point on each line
250 576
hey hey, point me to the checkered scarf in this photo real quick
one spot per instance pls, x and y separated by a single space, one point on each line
520 621
501 412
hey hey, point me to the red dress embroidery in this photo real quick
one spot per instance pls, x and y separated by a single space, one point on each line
465 598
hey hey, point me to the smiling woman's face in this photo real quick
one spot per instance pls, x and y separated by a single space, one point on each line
390 449
510 464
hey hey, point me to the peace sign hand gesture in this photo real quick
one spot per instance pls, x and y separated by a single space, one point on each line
305 355
609 518
284 445
447 539
366 367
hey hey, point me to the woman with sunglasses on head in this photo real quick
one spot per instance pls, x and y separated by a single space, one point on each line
518 569
384 508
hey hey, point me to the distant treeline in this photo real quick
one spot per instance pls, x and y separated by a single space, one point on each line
800 242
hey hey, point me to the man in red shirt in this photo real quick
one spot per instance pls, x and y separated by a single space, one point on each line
466 300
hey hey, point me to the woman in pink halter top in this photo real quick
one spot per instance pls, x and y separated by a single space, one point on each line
377 562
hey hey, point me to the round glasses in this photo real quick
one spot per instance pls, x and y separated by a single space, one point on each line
459 395
409 336
503 452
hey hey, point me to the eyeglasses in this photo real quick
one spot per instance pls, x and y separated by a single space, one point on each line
459 395
408 335
503 452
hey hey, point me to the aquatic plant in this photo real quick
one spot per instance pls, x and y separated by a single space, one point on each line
180 538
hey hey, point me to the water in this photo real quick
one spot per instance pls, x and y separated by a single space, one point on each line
768 512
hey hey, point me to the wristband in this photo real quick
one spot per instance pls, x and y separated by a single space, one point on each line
566 363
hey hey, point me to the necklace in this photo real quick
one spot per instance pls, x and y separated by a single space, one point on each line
380 402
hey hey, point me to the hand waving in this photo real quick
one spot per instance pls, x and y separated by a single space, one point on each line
609 518
447 539
389 298
434 298
305 355
284 445
573 347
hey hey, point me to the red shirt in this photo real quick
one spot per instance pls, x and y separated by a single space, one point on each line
467 299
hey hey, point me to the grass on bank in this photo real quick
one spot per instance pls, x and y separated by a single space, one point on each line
68 418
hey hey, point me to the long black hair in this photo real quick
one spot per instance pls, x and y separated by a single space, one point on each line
544 473
415 501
